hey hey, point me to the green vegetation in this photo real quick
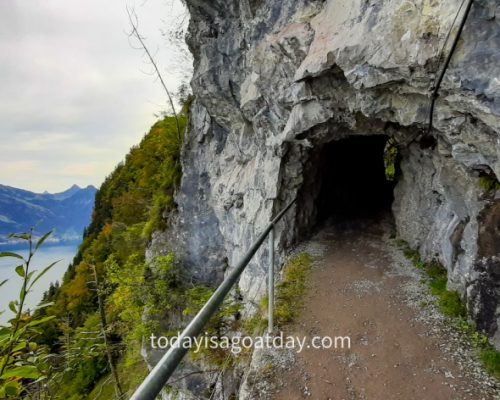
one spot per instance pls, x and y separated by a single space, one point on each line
257 323
490 358
290 291
220 325
130 367
489 182
110 297
289 295
449 302
451 305
390 158
24 365
83 341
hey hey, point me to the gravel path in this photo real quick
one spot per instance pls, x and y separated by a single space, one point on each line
362 286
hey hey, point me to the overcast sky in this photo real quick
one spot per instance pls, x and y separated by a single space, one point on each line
74 95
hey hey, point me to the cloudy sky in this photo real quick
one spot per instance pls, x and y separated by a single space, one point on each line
74 94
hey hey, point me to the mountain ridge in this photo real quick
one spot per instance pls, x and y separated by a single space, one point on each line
67 213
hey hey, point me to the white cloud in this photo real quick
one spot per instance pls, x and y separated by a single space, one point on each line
74 97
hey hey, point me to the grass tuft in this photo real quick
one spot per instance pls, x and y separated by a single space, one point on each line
491 361
449 302
451 305
289 296
291 289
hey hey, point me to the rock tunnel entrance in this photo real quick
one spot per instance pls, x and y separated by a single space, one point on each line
354 179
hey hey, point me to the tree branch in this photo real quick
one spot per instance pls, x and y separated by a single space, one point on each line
135 33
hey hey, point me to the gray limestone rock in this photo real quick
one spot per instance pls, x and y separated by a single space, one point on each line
276 80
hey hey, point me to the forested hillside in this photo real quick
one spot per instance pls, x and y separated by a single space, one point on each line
97 310
129 206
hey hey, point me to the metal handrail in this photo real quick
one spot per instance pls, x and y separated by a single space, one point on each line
159 375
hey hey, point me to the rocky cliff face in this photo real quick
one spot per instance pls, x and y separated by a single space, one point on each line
277 80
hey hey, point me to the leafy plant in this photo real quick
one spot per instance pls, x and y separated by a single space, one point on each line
22 361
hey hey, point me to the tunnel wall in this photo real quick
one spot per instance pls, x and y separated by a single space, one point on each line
441 210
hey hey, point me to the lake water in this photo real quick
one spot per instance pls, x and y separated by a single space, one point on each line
43 257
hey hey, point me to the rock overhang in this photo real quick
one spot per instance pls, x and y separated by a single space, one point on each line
274 83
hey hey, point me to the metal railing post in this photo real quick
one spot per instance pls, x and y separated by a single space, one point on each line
270 283
159 375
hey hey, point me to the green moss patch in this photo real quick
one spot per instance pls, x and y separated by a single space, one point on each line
451 305
289 296
489 182
491 360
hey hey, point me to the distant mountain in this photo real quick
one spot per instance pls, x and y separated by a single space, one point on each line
66 213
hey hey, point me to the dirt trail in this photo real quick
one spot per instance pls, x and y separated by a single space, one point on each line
361 286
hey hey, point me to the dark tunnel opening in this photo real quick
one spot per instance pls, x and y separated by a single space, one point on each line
355 179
